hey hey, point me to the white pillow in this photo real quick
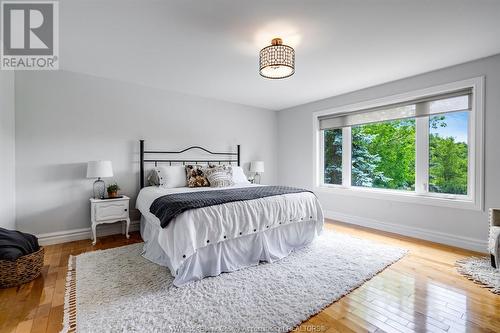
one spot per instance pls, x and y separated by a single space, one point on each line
170 176
239 176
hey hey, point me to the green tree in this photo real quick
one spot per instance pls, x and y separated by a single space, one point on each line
448 164
364 164
333 156
384 154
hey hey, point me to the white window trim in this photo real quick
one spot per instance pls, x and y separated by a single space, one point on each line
475 198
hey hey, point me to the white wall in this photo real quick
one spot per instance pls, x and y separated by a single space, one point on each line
460 227
7 151
64 119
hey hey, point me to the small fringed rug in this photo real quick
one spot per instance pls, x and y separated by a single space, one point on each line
480 271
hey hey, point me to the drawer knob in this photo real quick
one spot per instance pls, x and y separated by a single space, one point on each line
126 209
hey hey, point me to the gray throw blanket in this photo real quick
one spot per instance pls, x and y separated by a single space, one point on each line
14 244
167 207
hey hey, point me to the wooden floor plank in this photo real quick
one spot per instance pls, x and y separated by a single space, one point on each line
420 293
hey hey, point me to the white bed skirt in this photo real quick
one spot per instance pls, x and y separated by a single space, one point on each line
233 254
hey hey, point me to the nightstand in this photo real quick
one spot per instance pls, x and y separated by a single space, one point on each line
109 211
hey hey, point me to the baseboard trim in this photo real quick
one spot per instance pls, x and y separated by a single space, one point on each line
421 233
58 237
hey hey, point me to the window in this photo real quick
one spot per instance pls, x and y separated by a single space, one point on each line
383 155
424 145
448 153
333 156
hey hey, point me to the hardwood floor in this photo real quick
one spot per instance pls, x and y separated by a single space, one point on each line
420 293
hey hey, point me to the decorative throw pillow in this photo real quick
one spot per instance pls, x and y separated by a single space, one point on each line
168 176
195 176
219 176
153 178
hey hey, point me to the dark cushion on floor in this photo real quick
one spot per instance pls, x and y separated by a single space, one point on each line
10 253
14 244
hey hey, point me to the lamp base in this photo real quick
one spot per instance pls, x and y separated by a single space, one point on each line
257 178
99 187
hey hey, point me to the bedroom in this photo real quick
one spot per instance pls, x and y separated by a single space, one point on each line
354 123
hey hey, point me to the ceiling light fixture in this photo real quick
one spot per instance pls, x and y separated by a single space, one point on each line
277 61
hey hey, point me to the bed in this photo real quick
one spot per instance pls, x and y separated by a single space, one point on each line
216 238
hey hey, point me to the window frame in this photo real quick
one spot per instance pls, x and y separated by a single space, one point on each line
475 185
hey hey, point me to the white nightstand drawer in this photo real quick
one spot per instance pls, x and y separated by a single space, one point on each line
108 211
111 210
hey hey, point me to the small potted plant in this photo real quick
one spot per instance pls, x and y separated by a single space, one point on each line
113 190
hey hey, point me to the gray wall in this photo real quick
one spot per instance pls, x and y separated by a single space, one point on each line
64 119
7 151
295 158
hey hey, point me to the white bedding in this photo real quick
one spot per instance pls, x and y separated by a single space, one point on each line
213 229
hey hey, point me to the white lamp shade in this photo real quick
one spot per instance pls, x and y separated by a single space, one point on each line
257 166
99 169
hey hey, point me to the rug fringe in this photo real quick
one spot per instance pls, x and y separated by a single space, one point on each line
69 317
460 266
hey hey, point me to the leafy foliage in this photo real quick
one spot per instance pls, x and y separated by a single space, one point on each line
113 188
447 165
364 164
448 160
333 156
383 156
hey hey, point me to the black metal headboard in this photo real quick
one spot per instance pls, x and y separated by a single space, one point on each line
228 159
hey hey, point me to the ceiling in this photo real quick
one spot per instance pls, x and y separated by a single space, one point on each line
210 48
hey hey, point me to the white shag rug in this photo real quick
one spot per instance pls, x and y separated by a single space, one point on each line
117 290
480 271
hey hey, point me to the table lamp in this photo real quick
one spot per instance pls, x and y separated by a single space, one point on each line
258 168
99 169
